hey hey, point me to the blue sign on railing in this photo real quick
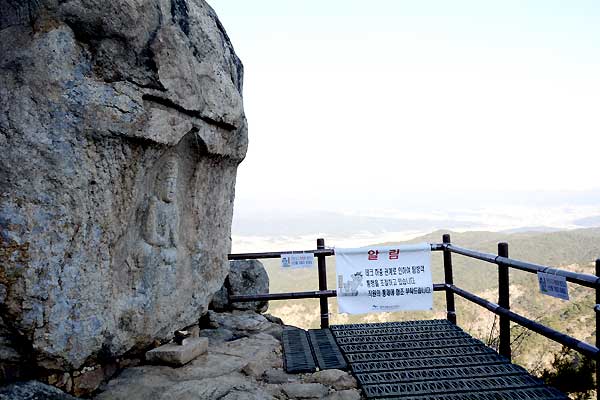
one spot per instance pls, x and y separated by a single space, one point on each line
553 285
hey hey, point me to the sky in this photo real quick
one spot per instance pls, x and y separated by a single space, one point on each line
359 106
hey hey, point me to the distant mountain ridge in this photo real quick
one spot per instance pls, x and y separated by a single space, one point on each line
588 221
531 229
559 248
331 223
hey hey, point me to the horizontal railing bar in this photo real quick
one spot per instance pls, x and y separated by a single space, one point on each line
277 254
324 252
491 258
587 280
300 295
581 279
566 340
574 277
283 296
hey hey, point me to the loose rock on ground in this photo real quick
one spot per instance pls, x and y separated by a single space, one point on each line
246 363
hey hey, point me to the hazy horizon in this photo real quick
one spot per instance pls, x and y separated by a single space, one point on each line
465 112
272 229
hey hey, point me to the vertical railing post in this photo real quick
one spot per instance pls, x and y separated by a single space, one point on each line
449 280
504 302
597 331
323 285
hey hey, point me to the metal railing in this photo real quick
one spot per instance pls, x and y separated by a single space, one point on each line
322 294
502 308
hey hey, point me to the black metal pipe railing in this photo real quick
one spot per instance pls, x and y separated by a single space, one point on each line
597 331
491 258
587 280
449 279
317 252
323 303
277 254
566 340
504 302
437 246
590 281
317 294
502 308
283 296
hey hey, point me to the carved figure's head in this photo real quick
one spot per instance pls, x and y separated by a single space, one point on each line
169 181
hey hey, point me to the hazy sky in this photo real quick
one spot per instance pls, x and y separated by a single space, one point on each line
350 102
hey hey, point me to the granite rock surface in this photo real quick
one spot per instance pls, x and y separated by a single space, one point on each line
33 390
248 365
246 277
121 128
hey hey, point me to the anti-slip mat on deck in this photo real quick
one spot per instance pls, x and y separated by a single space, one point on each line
305 351
297 354
432 359
326 351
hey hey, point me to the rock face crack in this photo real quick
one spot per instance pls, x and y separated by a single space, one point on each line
192 113
119 109
148 54
180 16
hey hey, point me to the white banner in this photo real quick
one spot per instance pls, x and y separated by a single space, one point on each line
396 278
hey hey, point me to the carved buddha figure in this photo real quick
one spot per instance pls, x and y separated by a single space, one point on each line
161 227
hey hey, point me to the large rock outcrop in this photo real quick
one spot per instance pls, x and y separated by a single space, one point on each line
121 128
246 277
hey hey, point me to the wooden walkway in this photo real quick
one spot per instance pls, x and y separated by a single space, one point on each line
432 359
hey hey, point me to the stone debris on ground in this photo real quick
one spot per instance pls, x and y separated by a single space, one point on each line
32 390
244 361
178 354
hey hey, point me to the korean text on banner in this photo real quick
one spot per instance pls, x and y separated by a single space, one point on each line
378 279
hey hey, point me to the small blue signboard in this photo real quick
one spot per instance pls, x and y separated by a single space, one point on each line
553 285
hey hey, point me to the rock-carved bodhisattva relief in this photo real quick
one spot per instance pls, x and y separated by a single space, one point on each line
161 225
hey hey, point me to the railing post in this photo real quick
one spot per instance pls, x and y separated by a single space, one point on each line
597 331
504 302
323 285
449 279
